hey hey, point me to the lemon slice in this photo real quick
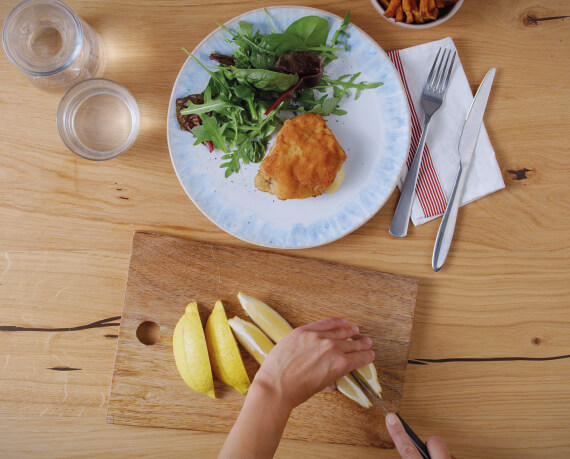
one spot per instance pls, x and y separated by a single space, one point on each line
349 387
191 352
266 318
370 377
251 338
224 353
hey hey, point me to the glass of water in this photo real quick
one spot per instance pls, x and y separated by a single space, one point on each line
47 41
98 119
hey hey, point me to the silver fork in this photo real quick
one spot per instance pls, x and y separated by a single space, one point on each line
432 98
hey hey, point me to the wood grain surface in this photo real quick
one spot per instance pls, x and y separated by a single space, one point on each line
166 273
67 225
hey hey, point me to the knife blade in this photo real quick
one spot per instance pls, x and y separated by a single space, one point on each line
466 148
418 443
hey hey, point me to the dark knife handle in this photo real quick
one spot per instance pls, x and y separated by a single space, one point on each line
418 443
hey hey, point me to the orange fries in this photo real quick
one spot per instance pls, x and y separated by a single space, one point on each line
415 11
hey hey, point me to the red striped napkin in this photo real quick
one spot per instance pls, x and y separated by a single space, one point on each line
440 158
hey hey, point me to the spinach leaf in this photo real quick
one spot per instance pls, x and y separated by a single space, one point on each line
265 80
280 43
312 30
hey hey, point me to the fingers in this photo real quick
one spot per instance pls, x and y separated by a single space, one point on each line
326 324
403 443
437 448
354 345
345 332
359 359
349 362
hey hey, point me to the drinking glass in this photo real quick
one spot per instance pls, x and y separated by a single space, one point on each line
47 41
98 119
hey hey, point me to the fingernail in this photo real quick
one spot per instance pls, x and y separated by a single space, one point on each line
354 328
366 340
391 419
344 320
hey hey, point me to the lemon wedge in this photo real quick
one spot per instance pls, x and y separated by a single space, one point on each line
276 327
251 338
370 377
266 318
224 353
191 352
349 387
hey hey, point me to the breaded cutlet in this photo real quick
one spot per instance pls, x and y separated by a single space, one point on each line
303 161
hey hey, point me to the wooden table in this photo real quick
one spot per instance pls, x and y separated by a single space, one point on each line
489 366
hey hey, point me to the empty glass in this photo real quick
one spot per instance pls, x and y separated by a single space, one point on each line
47 41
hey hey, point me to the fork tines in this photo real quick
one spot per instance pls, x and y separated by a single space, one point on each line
437 83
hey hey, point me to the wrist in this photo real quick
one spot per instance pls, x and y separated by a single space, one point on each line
260 423
270 394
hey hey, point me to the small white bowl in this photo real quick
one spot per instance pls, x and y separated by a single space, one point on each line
427 25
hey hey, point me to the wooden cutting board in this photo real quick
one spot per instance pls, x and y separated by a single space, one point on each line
166 273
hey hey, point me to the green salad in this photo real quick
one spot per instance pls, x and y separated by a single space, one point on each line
267 74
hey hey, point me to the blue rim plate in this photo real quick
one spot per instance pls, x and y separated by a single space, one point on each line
375 133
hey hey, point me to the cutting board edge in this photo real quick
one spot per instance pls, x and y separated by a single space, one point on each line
138 233
121 328
117 420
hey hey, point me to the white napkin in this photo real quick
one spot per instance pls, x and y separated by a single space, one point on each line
440 158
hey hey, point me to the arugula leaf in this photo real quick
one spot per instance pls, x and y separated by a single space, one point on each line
341 30
347 81
269 20
218 76
210 130
245 28
258 57
252 148
326 106
312 30
209 105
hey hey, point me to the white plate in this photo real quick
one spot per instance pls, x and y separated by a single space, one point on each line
375 135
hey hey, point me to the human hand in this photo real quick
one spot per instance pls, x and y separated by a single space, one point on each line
311 358
435 445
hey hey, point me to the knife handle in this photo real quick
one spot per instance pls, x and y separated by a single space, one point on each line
418 443
447 226
399 226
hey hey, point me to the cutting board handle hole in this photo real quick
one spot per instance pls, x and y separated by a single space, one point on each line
148 333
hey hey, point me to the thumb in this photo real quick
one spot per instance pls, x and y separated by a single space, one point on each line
403 443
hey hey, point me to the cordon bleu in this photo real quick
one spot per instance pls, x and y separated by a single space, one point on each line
303 161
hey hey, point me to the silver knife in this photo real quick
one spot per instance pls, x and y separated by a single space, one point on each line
418 443
467 143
